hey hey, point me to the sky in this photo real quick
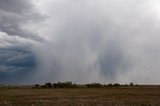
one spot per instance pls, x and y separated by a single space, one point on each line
82 41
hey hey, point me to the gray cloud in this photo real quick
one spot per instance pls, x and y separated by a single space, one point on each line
100 41
16 6
15 17
81 40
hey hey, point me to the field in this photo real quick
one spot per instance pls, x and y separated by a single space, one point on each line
113 96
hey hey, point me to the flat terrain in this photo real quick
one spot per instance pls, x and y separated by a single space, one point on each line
120 96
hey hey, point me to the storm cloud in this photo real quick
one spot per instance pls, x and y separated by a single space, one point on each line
17 39
80 40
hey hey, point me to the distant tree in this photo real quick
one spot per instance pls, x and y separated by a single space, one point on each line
60 85
75 85
55 85
48 85
131 84
126 85
110 85
37 86
64 85
116 85
43 86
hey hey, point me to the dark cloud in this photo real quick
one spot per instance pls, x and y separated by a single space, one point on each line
17 59
16 64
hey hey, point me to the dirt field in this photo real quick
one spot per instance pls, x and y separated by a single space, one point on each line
121 96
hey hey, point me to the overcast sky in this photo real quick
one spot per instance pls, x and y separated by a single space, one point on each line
81 41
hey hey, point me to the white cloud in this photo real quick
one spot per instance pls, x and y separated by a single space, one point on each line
8 41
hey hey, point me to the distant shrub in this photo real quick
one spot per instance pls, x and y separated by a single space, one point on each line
94 85
116 85
64 85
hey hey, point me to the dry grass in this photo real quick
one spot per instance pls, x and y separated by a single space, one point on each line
133 96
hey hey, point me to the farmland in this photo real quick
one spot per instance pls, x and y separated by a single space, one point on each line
108 96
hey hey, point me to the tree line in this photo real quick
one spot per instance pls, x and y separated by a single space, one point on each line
73 85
